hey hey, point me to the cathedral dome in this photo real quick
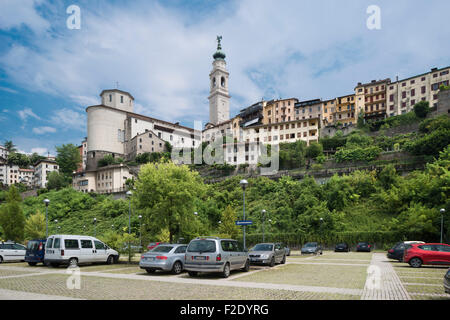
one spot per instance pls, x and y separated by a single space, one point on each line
219 55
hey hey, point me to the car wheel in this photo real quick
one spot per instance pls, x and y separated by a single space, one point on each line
415 263
32 264
284 260
226 271
54 264
192 273
272 262
73 262
247 266
150 270
1 259
110 260
177 267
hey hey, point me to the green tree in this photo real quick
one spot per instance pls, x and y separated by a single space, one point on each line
421 109
18 159
35 158
388 176
165 195
68 158
56 180
314 150
12 219
9 146
35 226
228 227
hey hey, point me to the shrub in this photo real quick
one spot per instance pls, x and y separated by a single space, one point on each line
421 109
357 154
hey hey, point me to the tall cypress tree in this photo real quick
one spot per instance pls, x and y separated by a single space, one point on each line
12 219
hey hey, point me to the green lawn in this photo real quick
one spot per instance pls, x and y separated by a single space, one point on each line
352 277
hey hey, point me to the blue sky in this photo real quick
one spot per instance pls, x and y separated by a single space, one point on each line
161 52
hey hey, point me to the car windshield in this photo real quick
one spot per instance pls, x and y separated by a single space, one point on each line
311 245
362 244
33 245
163 249
263 247
202 246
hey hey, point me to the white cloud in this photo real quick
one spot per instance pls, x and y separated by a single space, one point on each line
27 113
17 13
43 130
8 90
40 151
69 119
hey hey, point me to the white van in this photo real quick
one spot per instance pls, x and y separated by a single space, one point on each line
73 250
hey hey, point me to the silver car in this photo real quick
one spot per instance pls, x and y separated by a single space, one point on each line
165 257
268 253
213 254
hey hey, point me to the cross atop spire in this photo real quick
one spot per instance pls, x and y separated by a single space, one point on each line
219 46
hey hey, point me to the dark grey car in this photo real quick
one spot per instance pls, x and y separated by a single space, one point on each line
267 253
213 254
311 248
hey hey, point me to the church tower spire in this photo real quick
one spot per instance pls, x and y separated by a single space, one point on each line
219 98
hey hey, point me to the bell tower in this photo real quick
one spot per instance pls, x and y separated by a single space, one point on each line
219 99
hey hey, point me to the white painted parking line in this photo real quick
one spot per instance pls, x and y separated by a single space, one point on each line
330 264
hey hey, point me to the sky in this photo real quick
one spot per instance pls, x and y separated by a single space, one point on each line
161 52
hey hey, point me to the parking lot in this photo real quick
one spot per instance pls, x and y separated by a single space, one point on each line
331 276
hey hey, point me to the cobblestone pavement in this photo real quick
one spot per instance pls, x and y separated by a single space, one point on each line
22 295
383 282
19 281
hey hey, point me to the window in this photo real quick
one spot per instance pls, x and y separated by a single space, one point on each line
57 243
110 97
227 246
121 99
404 94
181 249
424 89
71 244
413 92
99 245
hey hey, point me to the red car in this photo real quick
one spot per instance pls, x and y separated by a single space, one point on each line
427 253
153 245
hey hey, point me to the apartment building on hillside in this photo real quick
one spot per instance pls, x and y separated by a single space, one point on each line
402 95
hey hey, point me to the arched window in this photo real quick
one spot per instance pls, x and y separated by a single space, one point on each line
214 82
222 81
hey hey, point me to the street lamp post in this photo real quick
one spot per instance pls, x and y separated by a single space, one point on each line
321 230
264 221
46 201
95 227
129 194
140 231
244 184
442 223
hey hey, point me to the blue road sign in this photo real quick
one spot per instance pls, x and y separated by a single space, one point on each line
244 223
